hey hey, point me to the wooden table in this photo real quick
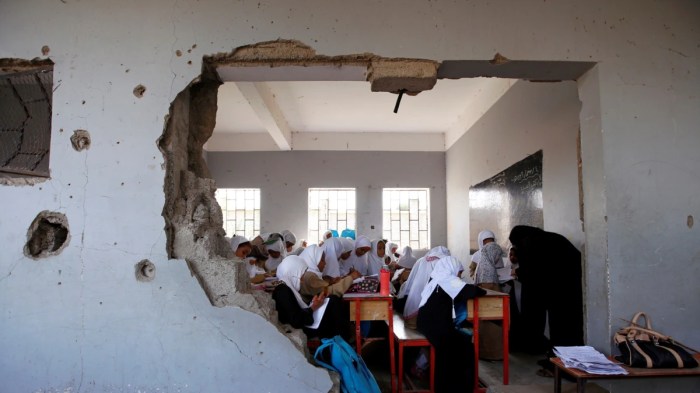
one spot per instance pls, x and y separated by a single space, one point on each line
493 306
373 307
582 376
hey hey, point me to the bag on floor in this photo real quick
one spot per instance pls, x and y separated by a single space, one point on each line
337 355
641 346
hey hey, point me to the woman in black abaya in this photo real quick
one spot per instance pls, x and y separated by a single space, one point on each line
550 273
442 319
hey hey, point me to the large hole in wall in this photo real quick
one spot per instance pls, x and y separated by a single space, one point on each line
48 235
193 218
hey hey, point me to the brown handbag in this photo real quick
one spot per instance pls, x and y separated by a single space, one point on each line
641 346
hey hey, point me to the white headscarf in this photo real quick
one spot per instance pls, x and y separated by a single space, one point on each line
312 256
348 246
374 261
279 246
326 235
483 235
356 262
333 248
407 259
289 237
290 271
419 277
445 275
388 247
236 241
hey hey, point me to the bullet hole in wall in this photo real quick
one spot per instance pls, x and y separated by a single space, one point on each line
145 271
690 221
47 235
80 140
139 90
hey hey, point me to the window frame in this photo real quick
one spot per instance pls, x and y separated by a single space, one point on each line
394 213
256 211
350 214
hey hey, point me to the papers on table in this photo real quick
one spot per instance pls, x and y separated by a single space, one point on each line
318 315
587 359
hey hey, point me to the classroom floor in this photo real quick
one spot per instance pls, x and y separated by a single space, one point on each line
523 373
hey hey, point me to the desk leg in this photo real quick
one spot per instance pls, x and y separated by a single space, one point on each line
476 342
401 371
506 331
358 335
557 380
392 358
580 385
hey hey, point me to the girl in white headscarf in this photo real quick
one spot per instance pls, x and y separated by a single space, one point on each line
348 248
333 248
312 283
242 247
277 252
490 259
419 277
376 259
481 238
442 319
292 309
391 251
404 266
290 240
358 258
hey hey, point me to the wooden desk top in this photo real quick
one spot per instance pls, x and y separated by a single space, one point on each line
634 372
366 296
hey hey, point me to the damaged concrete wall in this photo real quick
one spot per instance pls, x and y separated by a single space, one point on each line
80 320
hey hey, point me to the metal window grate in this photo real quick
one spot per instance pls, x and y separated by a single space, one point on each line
241 210
330 208
25 122
406 216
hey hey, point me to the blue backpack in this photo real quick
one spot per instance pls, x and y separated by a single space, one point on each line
337 355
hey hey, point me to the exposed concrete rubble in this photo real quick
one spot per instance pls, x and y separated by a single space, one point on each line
385 74
10 65
47 235
80 140
193 219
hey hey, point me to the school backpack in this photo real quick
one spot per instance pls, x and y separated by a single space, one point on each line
335 354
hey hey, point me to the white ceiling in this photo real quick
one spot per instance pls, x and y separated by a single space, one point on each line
346 115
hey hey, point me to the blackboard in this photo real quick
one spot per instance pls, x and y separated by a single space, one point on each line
512 197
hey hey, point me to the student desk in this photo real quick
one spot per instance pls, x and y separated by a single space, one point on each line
373 307
492 306
582 376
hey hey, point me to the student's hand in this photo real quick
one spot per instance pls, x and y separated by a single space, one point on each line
355 274
318 300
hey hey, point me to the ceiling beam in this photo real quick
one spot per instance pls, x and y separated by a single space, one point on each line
262 101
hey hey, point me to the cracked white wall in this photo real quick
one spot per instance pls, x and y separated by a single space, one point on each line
642 173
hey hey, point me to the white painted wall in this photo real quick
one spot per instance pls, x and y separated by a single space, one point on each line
284 179
529 117
639 124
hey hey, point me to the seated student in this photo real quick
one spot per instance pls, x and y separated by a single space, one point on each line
391 250
483 235
417 279
312 283
358 258
348 248
290 240
333 249
291 309
403 269
442 318
490 259
349 233
242 248
277 251
326 235
376 259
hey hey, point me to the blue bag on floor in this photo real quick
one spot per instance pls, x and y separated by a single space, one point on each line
337 355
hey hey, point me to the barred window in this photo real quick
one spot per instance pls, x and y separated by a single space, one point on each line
241 210
25 120
330 208
406 216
